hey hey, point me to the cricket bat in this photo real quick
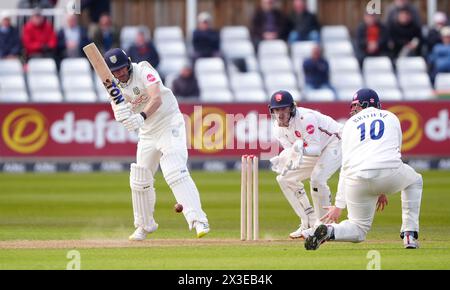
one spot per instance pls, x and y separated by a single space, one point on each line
103 72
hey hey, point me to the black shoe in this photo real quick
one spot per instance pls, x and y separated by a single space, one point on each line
320 235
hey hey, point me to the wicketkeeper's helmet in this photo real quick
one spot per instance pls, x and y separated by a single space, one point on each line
282 99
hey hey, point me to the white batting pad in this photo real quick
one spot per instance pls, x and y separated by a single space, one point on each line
298 200
143 196
177 176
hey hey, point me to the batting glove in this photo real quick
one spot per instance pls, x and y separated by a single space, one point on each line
134 122
122 112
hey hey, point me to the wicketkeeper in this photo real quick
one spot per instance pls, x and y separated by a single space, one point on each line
312 149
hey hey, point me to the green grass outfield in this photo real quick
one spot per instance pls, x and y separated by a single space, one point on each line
44 216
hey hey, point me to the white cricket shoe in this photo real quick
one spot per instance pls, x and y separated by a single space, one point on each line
201 228
140 234
410 241
301 233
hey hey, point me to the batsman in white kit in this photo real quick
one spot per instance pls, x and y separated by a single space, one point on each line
152 110
371 166
312 149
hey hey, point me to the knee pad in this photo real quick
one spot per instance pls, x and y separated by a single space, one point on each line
141 179
174 168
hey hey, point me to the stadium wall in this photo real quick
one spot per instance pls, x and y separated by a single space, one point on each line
85 137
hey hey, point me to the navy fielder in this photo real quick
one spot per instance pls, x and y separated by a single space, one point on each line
312 149
371 164
153 110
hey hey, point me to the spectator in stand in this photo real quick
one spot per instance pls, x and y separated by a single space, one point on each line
38 37
72 38
30 4
304 24
205 39
185 85
405 35
143 50
9 38
434 34
316 71
106 35
269 23
371 38
439 60
397 6
96 8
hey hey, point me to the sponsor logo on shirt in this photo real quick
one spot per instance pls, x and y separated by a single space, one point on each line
310 129
151 78
139 100
298 134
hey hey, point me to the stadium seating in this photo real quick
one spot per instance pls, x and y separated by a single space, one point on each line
128 35
171 65
13 88
42 65
273 66
381 64
73 85
302 49
168 33
81 96
334 33
276 64
216 95
343 64
320 95
209 65
238 49
50 96
13 96
168 49
411 64
280 81
213 81
74 66
246 81
338 49
442 82
390 94
10 67
346 84
250 95
270 48
234 33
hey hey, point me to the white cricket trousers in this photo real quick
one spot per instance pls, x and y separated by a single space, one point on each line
362 193
318 170
167 147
